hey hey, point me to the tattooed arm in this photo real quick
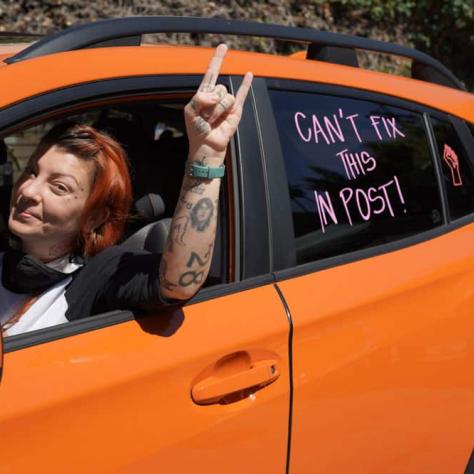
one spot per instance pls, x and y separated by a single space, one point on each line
212 117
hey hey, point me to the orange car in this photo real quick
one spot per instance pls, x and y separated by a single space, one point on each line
335 332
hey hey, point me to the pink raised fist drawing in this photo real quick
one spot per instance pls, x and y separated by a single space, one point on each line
451 159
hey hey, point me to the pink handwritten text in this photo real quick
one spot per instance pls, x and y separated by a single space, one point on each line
372 201
356 164
325 208
325 128
359 203
389 129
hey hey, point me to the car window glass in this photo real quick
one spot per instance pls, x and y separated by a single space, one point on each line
359 173
456 168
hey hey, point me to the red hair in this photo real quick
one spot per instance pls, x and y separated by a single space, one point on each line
111 193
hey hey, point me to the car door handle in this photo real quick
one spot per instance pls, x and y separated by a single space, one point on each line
215 388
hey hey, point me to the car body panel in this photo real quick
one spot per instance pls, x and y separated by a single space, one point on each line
119 398
381 358
102 63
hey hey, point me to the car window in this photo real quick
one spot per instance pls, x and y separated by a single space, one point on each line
456 168
154 137
359 173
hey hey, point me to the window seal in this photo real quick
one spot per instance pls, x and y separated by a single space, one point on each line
437 166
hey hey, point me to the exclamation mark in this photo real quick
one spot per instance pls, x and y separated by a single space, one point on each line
402 199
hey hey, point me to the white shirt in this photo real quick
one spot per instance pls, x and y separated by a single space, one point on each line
48 310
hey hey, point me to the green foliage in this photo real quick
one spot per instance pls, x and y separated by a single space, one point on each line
381 10
442 28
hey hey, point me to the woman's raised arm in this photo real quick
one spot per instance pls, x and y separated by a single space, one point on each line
212 117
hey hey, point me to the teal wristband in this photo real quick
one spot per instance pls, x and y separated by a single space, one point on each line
206 172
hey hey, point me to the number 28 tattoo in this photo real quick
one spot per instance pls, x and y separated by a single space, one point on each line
195 277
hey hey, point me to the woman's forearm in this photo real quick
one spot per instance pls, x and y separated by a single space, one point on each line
188 251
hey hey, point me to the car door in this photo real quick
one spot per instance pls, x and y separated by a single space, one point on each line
380 289
205 387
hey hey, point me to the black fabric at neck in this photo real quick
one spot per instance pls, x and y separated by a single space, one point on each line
23 273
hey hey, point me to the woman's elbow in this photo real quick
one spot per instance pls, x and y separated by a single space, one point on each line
179 292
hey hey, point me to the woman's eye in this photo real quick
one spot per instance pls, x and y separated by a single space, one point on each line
60 188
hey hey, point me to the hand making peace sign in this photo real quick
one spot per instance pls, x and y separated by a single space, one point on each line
212 115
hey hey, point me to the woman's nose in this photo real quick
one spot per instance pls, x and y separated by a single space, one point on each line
31 189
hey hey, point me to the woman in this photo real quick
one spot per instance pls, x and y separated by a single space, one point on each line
69 208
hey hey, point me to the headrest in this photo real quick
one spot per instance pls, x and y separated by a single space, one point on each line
150 206
152 237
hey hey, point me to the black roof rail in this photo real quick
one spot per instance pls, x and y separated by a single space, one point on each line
18 36
21 34
128 31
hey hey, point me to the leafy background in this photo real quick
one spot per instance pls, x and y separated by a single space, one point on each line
442 28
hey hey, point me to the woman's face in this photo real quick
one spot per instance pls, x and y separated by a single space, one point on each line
48 201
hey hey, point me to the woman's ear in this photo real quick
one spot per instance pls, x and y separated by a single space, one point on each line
96 218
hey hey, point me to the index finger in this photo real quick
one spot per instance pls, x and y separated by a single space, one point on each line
210 78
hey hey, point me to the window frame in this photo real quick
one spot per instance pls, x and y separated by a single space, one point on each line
463 130
279 184
249 269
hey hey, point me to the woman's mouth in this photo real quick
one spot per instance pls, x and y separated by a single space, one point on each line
26 215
